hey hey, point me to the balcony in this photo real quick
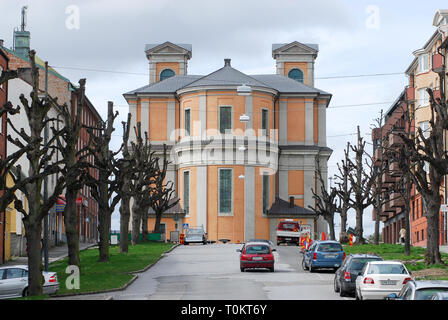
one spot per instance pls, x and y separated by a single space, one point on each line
387 179
394 169
387 208
397 200
394 139
437 63
410 94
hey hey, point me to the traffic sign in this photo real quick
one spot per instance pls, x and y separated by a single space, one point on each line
185 226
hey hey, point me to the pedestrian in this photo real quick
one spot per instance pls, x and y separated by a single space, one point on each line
402 235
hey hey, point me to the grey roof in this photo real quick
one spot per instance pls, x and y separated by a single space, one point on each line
313 46
286 85
281 207
185 46
176 209
169 85
227 76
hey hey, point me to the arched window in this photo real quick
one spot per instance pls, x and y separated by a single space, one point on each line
166 74
296 74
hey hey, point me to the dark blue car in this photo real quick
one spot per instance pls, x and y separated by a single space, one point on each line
323 254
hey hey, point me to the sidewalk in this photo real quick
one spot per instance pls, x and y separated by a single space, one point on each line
54 254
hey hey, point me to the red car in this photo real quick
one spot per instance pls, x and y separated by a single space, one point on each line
256 255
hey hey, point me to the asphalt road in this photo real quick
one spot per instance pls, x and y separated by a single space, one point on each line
211 272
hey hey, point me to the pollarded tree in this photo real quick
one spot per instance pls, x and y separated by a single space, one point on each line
344 192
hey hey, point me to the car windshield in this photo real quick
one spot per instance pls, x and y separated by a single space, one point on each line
195 231
329 247
289 226
387 269
359 263
257 249
426 293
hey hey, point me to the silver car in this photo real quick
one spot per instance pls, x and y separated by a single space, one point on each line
195 235
14 282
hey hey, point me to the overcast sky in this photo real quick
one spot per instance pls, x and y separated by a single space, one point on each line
355 37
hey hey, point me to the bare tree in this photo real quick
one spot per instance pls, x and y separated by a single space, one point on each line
344 192
104 188
362 178
325 201
429 165
39 153
162 193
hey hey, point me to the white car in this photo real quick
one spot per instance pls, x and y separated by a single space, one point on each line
14 282
379 279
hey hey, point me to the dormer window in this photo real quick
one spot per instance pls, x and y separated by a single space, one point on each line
296 74
167 73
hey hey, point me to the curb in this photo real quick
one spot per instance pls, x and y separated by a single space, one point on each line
124 287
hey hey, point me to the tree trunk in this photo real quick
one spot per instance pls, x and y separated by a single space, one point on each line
104 232
157 223
71 227
125 214
145 225
330 222
407 238
432 254
35 267
343 236
359 227
136 222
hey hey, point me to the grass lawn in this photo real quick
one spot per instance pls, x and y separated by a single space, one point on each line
97 276
414 262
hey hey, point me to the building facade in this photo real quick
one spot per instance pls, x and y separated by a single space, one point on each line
61 88
239 144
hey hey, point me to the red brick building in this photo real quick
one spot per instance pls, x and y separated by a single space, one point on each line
3 98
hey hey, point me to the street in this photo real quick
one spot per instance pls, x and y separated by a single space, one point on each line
212 272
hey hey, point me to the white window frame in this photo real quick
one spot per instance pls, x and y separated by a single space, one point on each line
423 97
266 133
185 131
225 214
425 131
219 117
187 214
422 66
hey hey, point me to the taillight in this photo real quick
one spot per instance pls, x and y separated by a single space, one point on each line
52 279
406 280
315 256
243 257
343 257
368 281
347 275
269 257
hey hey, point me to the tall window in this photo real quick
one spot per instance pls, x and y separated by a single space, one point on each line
265 121
423 63
166 74
425 126
423 97
187 121
296 74
265 192
225 191
225 119
187 192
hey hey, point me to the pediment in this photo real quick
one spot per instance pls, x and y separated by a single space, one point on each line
166 48
295 48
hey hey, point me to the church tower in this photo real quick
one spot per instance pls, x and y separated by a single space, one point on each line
167 60
296 60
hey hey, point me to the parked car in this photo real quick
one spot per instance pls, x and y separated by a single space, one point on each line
439 296
288 231
323 254
195 235
345 276
14 282
256 255
264 241
421 290
379 279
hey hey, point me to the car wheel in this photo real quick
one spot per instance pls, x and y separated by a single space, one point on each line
311 268
242 269
342 292
25 292
186 243
357 297
271 269
335 285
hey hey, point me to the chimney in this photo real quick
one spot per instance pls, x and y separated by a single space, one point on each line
227 62
291 202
